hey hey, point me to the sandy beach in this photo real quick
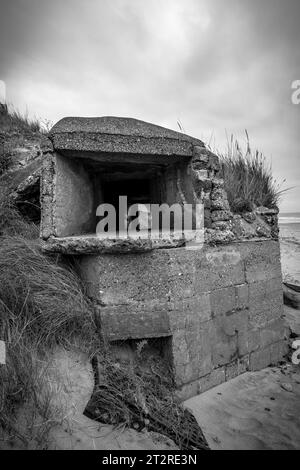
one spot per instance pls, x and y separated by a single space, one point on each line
255 411
290 252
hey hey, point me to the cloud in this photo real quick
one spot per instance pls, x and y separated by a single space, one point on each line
213 64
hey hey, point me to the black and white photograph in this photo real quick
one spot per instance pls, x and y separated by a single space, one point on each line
149 228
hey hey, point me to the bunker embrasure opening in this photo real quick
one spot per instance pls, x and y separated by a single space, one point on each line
82 185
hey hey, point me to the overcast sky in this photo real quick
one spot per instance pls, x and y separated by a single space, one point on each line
215 65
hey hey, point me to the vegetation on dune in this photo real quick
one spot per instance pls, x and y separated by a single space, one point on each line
140 393
5 161
12 120
44 297
42 305
248 178
11 221
15 130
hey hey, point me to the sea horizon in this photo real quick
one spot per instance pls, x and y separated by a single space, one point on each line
287 218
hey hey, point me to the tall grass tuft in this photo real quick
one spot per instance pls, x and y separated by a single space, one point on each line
44 300
248 178
13 120
11 221
42 304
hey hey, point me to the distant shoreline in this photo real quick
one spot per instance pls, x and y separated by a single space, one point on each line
287 218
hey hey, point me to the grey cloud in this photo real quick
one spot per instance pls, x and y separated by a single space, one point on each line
214 64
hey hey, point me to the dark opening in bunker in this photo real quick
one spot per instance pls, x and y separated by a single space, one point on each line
84 184
137 191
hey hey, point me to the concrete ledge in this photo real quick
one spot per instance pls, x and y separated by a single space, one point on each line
92 244
119 135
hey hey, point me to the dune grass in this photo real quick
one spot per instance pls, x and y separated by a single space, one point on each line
248 178
5 160
11 221
138 391
13 120
42 305
44 296
15 125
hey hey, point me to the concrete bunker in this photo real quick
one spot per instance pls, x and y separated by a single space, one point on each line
219 307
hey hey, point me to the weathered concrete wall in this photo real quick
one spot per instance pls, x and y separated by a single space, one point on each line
74 199
221 305
67 198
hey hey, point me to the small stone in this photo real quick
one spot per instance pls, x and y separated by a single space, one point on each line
199 166
213 236
202 174
213 162
46 145
266 211
218 183
221 216
222 225
287 386
200 154
263 231
249 217
220 204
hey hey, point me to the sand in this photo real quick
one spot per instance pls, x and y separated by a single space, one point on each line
292 319
70 380
72 376
255 411
290 254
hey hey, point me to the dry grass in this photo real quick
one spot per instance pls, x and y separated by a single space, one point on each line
12 120
248 178
11 221
5 161
42 304
140 393
44 300
15 126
